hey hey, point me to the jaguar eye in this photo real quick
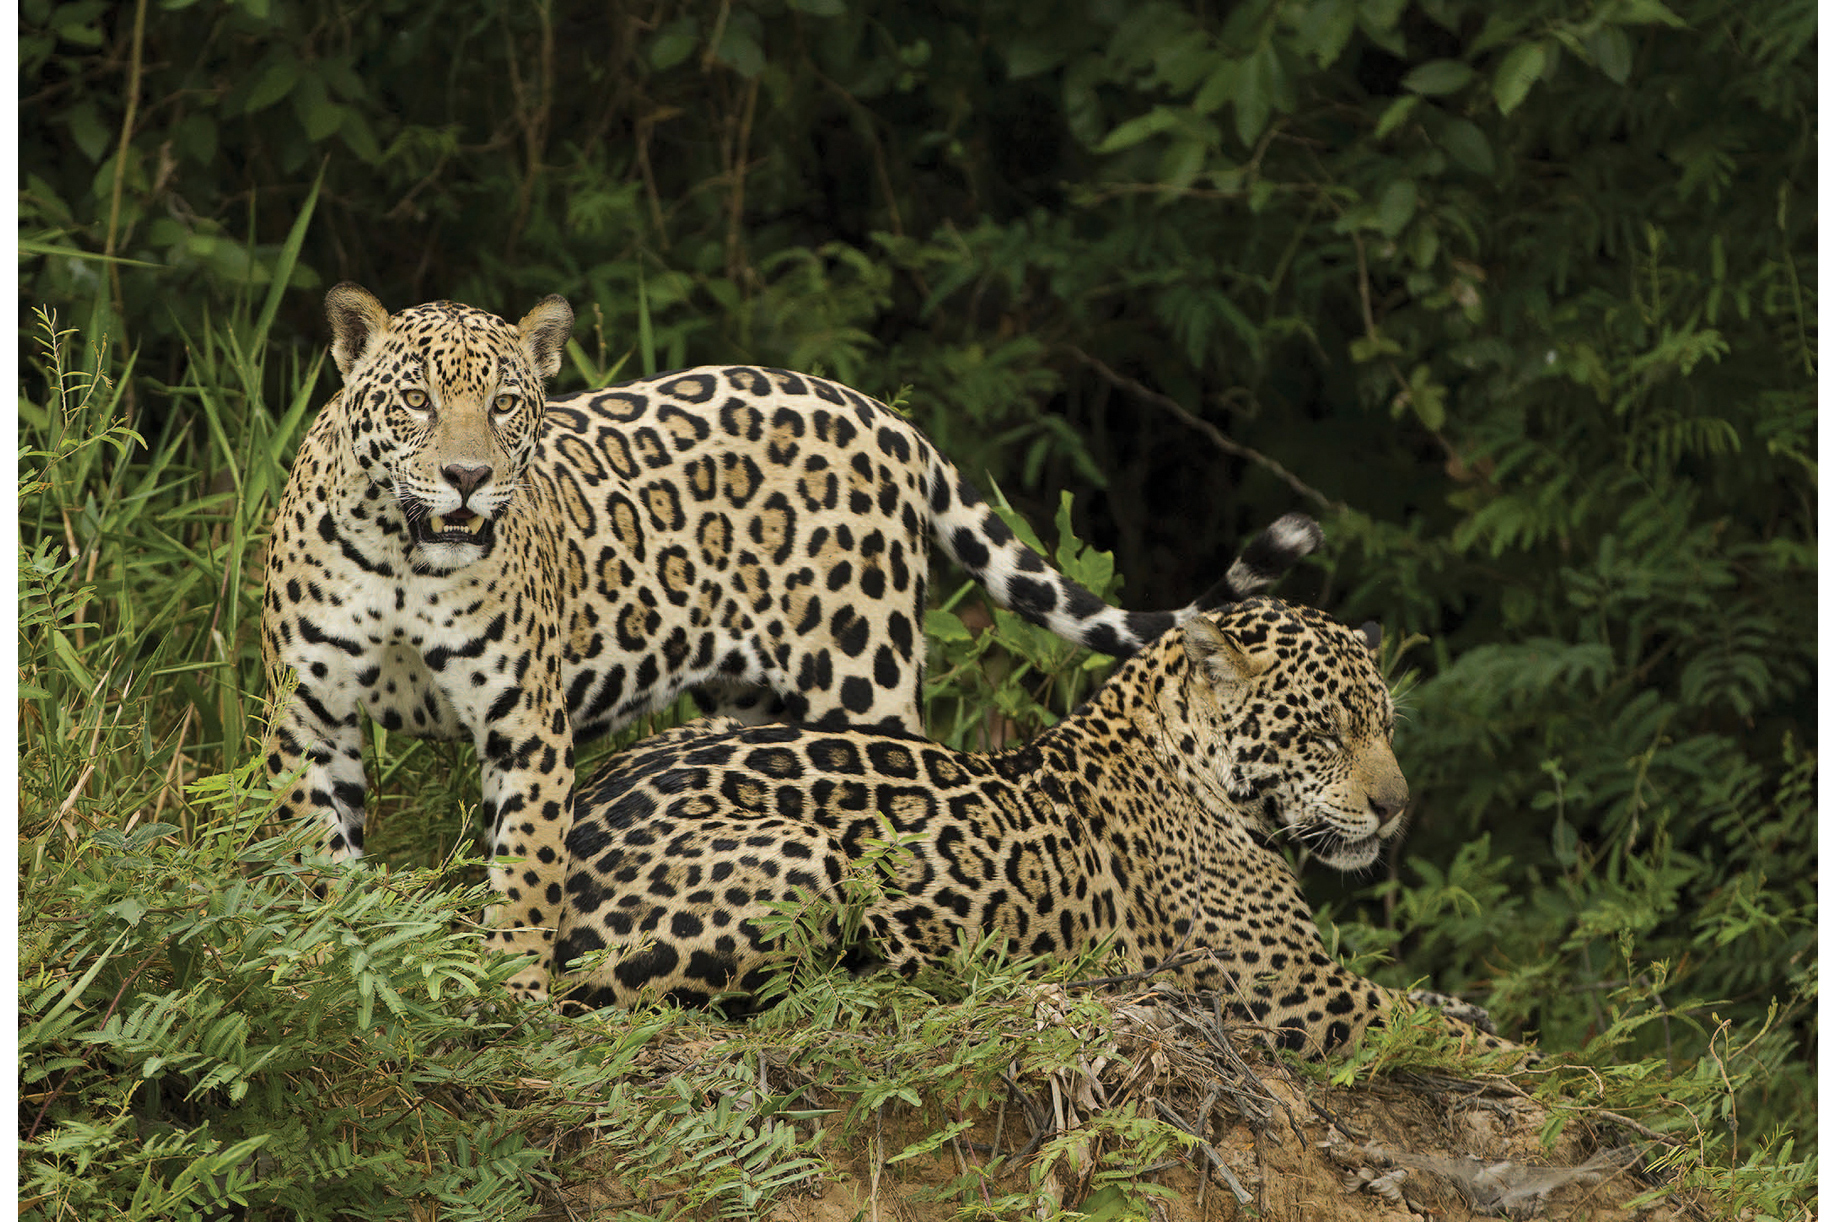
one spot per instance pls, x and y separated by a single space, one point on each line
503 405
415 400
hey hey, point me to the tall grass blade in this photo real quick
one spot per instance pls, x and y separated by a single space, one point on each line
289 256
647 342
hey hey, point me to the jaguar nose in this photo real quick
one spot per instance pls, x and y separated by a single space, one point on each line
466 477
1387 803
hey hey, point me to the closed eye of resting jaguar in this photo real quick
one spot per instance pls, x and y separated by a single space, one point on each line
1145 816
454 556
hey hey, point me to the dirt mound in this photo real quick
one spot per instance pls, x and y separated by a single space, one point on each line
1391 1153
1169 1112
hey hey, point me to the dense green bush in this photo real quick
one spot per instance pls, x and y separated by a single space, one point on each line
1520 301
201 1035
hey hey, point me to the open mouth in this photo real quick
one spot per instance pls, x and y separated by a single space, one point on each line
459 526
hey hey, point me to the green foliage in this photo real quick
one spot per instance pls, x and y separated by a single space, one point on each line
1521 301
198 1032
992 677
813 931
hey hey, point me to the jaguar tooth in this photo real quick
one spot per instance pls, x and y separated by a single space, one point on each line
475 525
436 524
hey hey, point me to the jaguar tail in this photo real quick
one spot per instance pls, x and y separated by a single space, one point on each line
1021 580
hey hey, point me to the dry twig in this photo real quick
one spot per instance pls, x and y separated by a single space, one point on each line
1210 431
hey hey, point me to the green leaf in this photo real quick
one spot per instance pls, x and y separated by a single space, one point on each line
1396 114
1422 245
819 8
1182 161
86 128
317 113
196 138
1396 207
1519 71
77 23
1031 56
1368 348
740 50
67 654
1644 12
1380 19
674 43
323 121
1466 144
1438 76
276 83
1107 1204
1328 25
1220 86
1186 60
1502 25
357 136
1255 94
1427 397
1612 53
130 910
1133 131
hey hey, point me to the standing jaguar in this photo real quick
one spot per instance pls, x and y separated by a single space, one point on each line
456 557
1146 817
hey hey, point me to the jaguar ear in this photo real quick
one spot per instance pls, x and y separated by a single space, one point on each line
1373 635
545 330
1217 657
356 319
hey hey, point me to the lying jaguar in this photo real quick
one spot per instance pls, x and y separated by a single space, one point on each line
1146 816
456 557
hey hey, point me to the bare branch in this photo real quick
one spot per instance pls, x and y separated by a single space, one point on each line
1210 430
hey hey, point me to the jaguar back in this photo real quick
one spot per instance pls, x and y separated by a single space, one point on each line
768 534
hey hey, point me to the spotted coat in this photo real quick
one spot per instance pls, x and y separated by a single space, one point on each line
456 557
1146 817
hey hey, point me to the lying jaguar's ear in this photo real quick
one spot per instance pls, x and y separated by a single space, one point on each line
545 330
1373 635
357 319
1217 657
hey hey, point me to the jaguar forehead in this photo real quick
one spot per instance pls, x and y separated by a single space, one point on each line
461 341
410 369
469 361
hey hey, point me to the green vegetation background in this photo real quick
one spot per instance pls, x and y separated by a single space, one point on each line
1518 300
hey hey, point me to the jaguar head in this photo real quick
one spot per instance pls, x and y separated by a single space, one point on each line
443 403
1303 727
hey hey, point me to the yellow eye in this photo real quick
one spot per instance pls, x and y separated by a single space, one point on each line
503 405
415 399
